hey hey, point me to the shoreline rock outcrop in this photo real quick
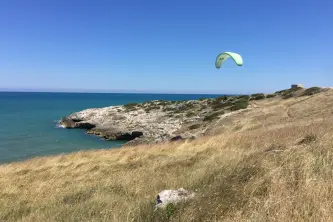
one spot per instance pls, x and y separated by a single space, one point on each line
160 121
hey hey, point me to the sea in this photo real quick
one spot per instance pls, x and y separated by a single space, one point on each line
29 121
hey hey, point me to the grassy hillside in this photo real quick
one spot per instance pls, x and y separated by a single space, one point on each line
270 162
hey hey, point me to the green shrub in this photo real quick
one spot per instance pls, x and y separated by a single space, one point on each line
243 97
287 92
163 102
213 116
232 98
170 210
288 95
239 105
311 91
281 91
220 105
130 105
189 105
270 95
258 96
221 98
210 101
151 107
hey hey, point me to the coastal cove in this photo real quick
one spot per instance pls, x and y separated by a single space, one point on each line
30 121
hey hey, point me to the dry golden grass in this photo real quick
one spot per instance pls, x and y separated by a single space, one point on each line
276 165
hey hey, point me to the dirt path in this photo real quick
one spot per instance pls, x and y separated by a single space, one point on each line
295 103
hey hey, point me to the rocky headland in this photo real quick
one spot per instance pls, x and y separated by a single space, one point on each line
162 121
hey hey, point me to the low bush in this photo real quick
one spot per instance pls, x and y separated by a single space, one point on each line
258 96
152 107
243 97
311 91
270 95
213 116
130 105
287 95
239 105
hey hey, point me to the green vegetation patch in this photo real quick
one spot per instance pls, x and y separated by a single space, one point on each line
311 91
131 105
151 107
163 102
243 104
221 98
221 105
243 97
288 93
213 116
169 109
271 95
257 96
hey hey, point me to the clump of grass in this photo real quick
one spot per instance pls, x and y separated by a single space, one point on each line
151 107
190 114
163 102
308 139
203 107
213 116
168 109
188 105
275 147
194 126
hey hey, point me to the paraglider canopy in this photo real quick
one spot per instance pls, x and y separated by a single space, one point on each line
225 55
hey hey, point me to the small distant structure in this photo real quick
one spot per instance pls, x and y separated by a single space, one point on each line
295 86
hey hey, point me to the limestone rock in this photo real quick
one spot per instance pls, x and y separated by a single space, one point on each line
172 196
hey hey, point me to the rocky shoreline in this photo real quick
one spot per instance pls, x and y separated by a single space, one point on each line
161 121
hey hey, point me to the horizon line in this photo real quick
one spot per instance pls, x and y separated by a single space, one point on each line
114 91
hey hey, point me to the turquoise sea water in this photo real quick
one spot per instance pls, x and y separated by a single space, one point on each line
29 121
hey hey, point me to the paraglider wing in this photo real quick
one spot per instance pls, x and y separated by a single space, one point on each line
225 55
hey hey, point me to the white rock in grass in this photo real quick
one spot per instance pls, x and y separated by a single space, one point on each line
172 196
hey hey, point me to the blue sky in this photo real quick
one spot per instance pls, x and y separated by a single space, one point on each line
164 46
